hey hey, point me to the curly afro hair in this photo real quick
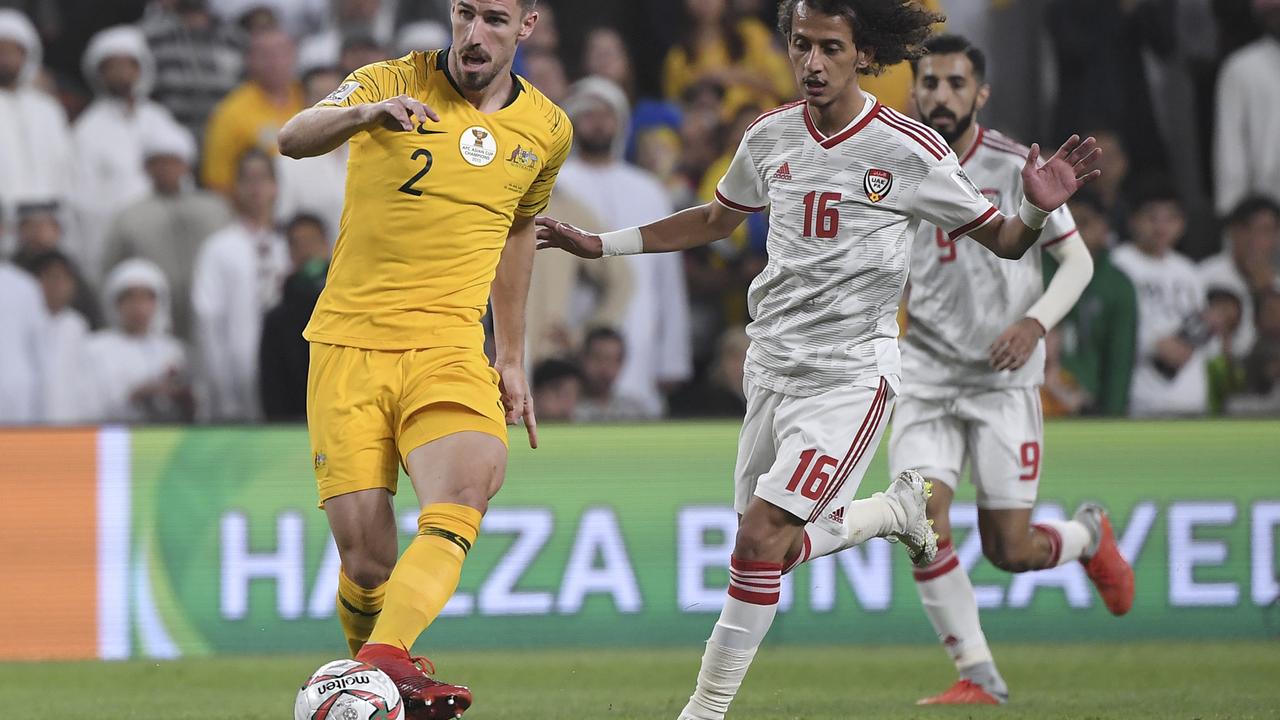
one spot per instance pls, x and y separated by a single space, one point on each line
891 30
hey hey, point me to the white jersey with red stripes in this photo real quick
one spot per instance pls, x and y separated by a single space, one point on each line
843 212
963 296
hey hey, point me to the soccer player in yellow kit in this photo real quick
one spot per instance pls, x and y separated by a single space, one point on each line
452 156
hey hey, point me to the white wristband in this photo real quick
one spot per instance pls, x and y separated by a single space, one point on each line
1032 216
622 242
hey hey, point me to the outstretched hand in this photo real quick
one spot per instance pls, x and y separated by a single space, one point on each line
1050 185
555 234
517 400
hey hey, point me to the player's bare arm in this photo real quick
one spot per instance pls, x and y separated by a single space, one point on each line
686 229
319 130
508 297
1046 188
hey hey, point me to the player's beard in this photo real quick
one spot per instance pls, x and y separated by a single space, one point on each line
961 124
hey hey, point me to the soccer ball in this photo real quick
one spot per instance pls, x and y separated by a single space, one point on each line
348 690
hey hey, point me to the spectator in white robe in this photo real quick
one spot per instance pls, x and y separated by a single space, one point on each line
1247 130
656 323
314 185
169 226
35 142
135 369
24 333
110 135
238 277
68 333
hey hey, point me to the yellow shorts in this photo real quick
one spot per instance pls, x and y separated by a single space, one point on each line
368 409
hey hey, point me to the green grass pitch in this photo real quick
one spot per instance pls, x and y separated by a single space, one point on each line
1158 680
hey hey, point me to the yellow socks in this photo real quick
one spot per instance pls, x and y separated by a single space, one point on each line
427 574
358 610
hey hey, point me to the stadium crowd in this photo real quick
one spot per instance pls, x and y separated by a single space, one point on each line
159 259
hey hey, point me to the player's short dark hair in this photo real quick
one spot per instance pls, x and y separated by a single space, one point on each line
1244 211
892 30
952 45
550 372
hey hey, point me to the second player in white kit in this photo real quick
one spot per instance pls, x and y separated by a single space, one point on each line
973 359
848 183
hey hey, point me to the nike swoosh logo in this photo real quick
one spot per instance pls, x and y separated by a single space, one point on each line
432 132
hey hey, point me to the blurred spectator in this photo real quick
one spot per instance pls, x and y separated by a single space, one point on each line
169 226
68 333
135 371
603 353
547 73
1170 374
24 361
1060 395
721 394
656 326
253 113
283 355
295 17
315 185
1096 339
1226 374
35 142
1101 49
1247 140
421 35
605 55
734 53
256 19
556 386
1110 186
1262 368
198 59
359 50
40 230
109 134
571 293
238 275
1245 266
370 20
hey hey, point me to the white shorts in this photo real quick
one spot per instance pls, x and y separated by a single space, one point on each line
807 455
1000 433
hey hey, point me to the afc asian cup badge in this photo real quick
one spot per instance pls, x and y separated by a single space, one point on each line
877 184
478 146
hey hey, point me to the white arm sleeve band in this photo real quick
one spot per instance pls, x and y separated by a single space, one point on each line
622 242
1075 270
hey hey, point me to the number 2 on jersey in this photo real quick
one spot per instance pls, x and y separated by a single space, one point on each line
407 188
817 216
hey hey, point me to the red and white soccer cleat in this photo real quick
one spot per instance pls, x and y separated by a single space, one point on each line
964 692
1106 567
425 698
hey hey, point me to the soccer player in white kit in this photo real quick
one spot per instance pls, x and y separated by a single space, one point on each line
848 182
972 363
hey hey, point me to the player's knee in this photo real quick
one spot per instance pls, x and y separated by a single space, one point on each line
367 572
763 538
473 495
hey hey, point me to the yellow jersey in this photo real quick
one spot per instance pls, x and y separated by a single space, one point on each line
427 212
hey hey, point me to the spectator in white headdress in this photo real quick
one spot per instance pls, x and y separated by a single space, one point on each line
35 142
135 369
110 135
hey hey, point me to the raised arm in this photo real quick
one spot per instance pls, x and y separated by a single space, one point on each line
1045 188
686 229
322 129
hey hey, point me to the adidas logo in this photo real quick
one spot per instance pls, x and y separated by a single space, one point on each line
784 172
836 515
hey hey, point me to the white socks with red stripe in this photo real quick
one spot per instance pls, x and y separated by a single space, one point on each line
876 516
748 612
948 600
1067 538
